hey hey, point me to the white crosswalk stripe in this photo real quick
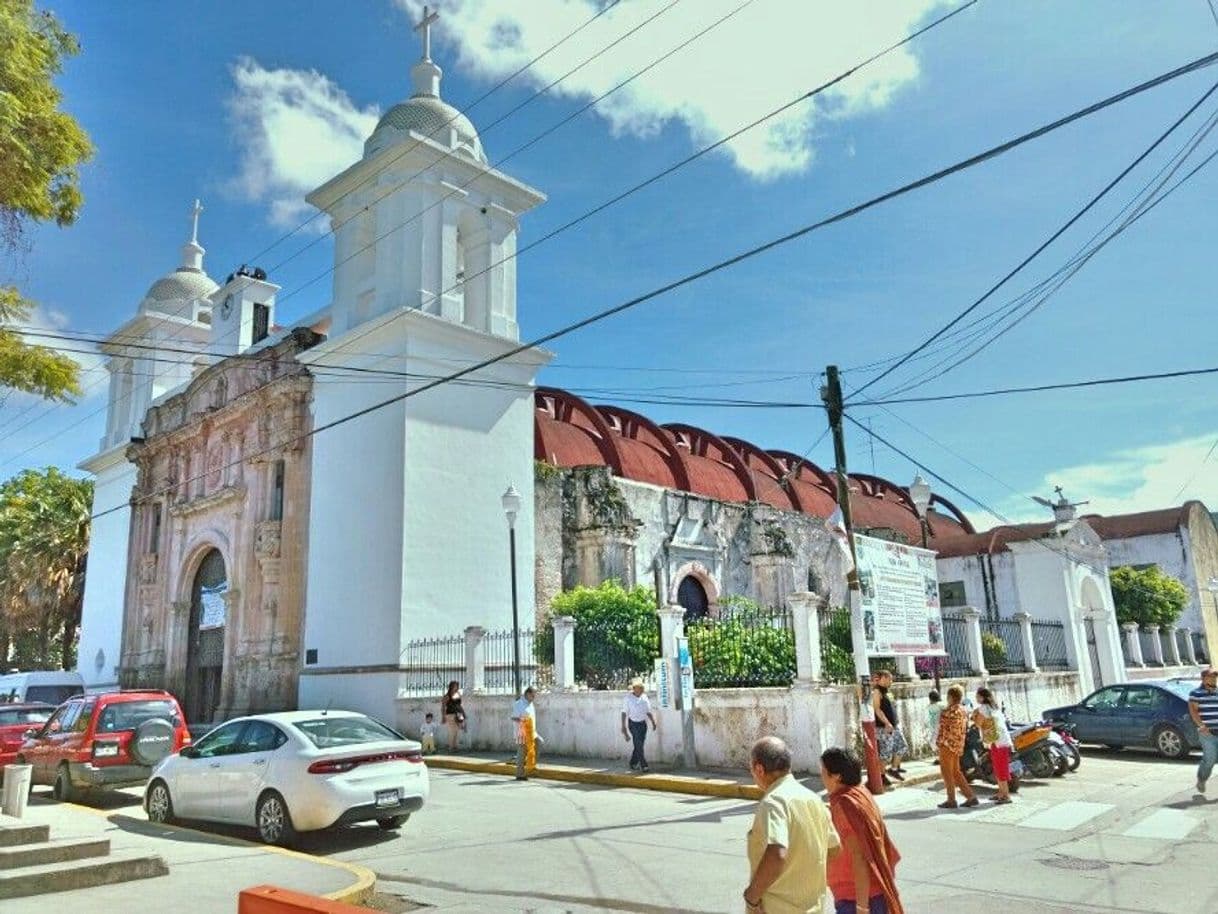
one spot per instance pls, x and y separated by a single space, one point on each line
1165 825
1066 816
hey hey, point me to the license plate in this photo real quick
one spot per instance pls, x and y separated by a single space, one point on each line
388 797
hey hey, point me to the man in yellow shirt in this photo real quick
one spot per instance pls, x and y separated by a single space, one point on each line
790 840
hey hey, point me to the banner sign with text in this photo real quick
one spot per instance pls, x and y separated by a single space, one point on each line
900 598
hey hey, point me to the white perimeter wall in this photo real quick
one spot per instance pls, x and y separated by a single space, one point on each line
101 624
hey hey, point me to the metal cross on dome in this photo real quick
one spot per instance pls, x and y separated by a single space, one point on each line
194 221
424 26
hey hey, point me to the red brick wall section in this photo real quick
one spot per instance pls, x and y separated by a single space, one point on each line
267 899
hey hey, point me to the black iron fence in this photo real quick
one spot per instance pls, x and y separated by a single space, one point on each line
429 664
536 661
743 648
609 654
955 642
1049 642
836 645
1002 646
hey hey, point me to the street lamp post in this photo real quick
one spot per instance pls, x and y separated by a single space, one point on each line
511 508
919 493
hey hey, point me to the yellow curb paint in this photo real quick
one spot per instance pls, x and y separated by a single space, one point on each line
660 782
356 893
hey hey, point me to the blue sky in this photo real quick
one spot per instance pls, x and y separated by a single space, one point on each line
245 105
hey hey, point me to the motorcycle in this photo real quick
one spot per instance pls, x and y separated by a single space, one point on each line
1034 749
1069 744
975 762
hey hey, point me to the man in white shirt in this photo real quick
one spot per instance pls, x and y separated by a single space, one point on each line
636 711
524 716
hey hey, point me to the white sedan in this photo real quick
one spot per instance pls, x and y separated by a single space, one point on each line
291 772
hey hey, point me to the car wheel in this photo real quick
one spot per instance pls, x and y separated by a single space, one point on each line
62 789
1170 743
274 821
391 823
159 805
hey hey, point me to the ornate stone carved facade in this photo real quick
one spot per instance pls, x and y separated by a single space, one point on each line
209 463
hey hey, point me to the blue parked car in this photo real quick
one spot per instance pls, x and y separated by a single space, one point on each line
1151 713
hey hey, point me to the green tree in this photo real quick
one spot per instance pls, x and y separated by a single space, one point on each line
617 633
44 544
1147 596
41 151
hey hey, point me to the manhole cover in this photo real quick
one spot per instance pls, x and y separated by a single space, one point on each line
1074 863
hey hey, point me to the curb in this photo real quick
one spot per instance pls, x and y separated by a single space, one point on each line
354 894
667 783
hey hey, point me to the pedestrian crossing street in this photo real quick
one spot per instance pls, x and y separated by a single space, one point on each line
1163 824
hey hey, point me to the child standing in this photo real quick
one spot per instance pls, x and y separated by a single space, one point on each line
932 717
427 734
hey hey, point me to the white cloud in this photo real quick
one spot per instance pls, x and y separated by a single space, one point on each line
1145 478
766 55
298 130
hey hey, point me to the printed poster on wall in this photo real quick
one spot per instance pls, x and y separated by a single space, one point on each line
900 598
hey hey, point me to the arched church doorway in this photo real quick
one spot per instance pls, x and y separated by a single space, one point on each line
692 596
205 646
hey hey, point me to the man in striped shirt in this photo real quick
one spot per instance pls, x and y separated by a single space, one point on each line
1203 706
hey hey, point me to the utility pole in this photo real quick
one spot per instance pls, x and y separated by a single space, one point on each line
832 395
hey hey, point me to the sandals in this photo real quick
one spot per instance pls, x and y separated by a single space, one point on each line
1000 800
949 804
896 773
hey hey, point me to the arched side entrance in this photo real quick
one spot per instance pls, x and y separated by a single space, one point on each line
205 639
692 596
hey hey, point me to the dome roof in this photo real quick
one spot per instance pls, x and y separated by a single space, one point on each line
430 116
182 283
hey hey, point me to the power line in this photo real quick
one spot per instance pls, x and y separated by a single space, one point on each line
1046 243
1068 385
1197 472
841 216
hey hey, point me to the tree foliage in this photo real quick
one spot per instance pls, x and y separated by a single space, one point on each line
44 543
1147 596
41 146
32 369
747 646
617 632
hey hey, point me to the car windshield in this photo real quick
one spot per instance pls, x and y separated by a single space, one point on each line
10 716
328 732
127 715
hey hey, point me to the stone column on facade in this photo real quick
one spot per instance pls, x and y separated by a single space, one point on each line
1028 641
972 635
1133 645
805 619
475 658
672 627
564 653
1156 646
1172 655
1190 647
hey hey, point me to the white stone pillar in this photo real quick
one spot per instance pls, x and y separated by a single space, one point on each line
1156 645
1028 641
1173 646
672 627
475 658
972 635
1134 643
1190 647
564 653
805 617
906 667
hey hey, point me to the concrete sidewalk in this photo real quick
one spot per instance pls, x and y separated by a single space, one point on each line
206 869
703 782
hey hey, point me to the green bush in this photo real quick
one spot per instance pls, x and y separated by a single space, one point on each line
1147 596
748 645
837 647
993 651
617 633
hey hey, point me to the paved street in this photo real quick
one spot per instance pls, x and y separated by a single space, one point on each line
1122 834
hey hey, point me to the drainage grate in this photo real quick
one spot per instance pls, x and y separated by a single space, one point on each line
1074 863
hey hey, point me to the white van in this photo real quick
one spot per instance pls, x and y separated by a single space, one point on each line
51 686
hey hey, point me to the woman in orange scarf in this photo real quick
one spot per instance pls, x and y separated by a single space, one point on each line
862 875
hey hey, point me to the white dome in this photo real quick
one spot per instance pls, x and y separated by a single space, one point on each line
430 116
182 283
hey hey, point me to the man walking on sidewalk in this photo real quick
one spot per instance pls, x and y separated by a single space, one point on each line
636 711
790 840
524 716
1203 708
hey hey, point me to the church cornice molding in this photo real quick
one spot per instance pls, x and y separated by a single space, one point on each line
209 502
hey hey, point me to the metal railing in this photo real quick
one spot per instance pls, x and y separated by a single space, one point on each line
1002 646
955 642
610 654
1049 642
536 662
429 664
743 648
836 644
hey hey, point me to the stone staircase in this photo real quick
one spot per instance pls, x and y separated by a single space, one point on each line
31 863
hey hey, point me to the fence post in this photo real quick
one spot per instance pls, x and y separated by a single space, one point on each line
1173 646
1029 642
972 636
672 627
1156 645
805 618
475 658
1133 644
1190 647
564 653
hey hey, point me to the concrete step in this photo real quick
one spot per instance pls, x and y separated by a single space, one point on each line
14 832
78 874
58 851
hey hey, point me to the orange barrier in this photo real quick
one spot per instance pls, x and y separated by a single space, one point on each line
268 899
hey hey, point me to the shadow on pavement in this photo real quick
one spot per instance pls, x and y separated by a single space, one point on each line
327 841
103 800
